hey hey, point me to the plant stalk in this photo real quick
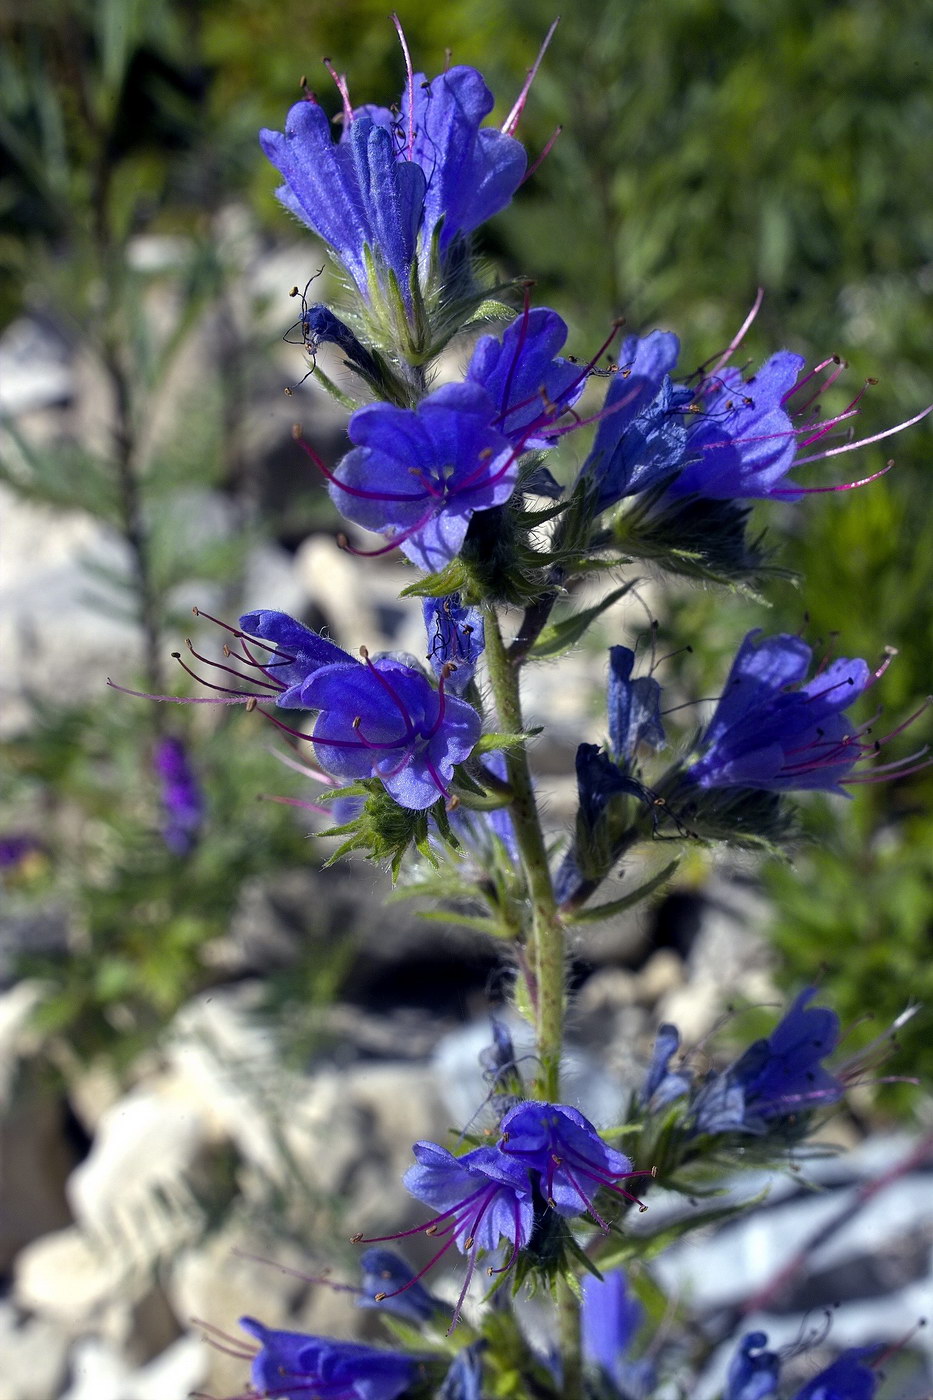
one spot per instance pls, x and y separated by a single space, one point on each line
547 929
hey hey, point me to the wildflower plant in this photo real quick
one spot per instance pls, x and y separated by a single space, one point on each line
428 757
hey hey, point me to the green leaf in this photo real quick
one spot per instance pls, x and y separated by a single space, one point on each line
560 636
618 906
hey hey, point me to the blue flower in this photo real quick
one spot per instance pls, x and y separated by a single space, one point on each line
529 384
725 439
476 829
848 1378
388 1283
456 639
356 193
296 653
292 1366
419 474
610 1318
182 799
778 1078
471 171
743 442
567 1154
641 437
464 1380
755 1372
384 720
662 1084
393 181
634 707
775 730
481 1199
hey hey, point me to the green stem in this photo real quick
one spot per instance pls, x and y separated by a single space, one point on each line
571 1350
547 930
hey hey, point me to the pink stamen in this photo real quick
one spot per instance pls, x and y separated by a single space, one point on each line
184 699
799 409
542 154
821 490
409 83
866 442
397 539
512 120
340 82
736 341
393 694
354 490
231 670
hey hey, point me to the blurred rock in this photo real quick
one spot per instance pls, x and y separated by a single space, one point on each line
35 1355
36 1155
100 1373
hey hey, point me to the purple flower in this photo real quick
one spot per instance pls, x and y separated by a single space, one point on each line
530 386
456 640
16 848
775 730
294 1366
419 474
567 1154
481 1198
384 720
778 1078
392 181
471 171
634 707
182 800
610 1318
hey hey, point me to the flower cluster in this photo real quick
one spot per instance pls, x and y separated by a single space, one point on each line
396 195
376 718
755 1374
777 1081
453 476
548 1158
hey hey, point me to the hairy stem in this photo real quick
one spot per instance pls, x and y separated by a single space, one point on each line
547 930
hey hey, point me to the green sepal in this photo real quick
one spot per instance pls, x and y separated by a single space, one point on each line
530 519
451 579
492 743
385 832
619 906
559 637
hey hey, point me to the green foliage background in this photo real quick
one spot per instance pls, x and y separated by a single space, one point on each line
708 147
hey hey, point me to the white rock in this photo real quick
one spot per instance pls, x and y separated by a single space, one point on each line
100 1373
34 1353
148 1144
